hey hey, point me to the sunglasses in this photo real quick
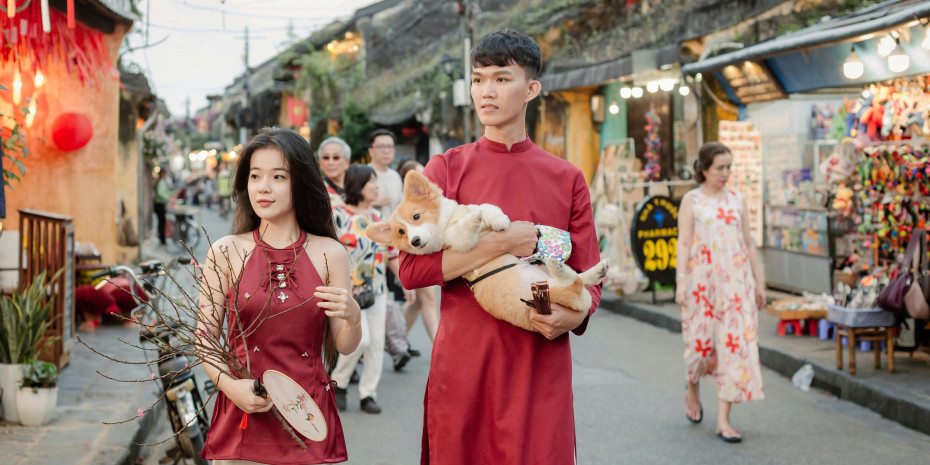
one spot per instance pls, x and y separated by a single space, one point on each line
326 158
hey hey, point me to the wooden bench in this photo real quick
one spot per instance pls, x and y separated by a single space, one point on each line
873 334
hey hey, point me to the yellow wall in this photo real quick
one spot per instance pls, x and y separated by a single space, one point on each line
582 139
87 183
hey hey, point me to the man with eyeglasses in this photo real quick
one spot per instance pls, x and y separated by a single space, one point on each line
391 193
334 154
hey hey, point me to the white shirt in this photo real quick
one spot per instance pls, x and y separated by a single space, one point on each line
389 181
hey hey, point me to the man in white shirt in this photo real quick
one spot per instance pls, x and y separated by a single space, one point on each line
391 193
390 186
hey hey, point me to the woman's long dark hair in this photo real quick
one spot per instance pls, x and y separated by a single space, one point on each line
356 178
308 195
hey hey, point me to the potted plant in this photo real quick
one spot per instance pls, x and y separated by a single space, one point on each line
24 319
38 394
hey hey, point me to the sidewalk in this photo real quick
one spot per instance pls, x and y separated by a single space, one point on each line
77 434
902 396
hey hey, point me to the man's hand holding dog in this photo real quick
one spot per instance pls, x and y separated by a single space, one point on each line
557 323
520 238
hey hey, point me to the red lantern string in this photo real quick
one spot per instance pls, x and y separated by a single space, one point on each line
79 49
70 14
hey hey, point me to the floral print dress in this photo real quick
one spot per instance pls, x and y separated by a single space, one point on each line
367 258
720 322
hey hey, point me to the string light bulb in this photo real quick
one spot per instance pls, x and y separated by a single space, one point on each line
626 92
853 67
886 45
652 87
898 61
684 91
40 78
667 85
613 108
637 92
17 87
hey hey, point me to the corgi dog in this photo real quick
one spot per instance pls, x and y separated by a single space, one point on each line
426 222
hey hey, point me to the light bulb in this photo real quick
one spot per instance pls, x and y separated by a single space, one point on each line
886 45
614 108
652 87
637 92
626 92
40 79
667 84
898 62
17 87
853 67
684 91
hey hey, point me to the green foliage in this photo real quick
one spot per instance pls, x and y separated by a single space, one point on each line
328 78
40 374
14 150
24 318
355 129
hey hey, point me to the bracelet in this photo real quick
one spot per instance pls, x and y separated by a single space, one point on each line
348 325
682 275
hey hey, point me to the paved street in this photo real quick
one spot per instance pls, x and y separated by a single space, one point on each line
629 409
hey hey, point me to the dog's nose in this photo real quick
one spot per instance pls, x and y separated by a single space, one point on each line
415 241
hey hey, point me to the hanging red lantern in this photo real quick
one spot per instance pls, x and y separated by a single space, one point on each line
408 131
71 131
19 86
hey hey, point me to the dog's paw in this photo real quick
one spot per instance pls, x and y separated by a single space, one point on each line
596 273
558 270
494 217
472 221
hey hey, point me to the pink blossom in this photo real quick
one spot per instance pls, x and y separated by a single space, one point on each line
140 412
193 262
197 267
185 366
153 376
200 276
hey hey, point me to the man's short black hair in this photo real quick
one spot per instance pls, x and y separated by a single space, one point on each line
503 48
381 132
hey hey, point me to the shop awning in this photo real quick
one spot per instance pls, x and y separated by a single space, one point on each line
813 58
607 71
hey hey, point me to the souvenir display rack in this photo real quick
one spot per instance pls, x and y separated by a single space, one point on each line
745 143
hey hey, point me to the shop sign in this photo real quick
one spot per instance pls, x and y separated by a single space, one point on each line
654 238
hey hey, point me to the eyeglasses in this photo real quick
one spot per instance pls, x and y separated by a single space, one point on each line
326 158
383 147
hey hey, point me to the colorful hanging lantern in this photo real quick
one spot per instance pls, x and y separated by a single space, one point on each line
71 131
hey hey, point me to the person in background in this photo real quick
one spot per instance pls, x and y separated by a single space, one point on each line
162 196
391 188
224 190
720 288
334 154
369 261
425 300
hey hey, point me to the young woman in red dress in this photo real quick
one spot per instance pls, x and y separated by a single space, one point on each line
283 252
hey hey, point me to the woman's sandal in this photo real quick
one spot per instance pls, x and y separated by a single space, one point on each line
688 409
733 438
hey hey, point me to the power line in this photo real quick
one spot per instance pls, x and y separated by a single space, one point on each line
235 13
213 31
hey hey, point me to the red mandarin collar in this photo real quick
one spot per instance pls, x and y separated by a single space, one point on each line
491 146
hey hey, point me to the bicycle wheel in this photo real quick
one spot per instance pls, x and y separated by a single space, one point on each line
193 235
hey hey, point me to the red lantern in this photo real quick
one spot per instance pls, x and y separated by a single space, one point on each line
71 131
408 131
19 86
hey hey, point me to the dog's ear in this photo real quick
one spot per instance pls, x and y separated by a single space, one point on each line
417 186
379 232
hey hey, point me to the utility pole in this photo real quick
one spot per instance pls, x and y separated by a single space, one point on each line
473 10
187 122
243 131
464 10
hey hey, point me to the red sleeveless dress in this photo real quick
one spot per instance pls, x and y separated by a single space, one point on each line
290 343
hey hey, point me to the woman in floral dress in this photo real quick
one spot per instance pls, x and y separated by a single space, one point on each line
720 288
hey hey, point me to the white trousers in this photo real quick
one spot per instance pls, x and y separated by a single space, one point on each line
372 346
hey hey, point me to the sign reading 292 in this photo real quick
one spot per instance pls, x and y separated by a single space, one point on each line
654 238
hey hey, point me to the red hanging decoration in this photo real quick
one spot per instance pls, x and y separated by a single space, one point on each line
71 131
71 24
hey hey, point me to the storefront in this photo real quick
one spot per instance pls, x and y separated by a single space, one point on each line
840 112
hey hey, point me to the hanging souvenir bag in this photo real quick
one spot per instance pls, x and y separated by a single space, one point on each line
905 288
916 299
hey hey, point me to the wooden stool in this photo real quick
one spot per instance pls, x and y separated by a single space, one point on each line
874 334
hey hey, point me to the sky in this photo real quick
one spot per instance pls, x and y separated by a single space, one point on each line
196 47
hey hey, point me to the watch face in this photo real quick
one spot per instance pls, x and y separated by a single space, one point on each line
295 405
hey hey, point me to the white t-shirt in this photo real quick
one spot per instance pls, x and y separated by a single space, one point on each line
389 181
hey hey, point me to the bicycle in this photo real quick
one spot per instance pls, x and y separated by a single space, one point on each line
189 420
185 229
